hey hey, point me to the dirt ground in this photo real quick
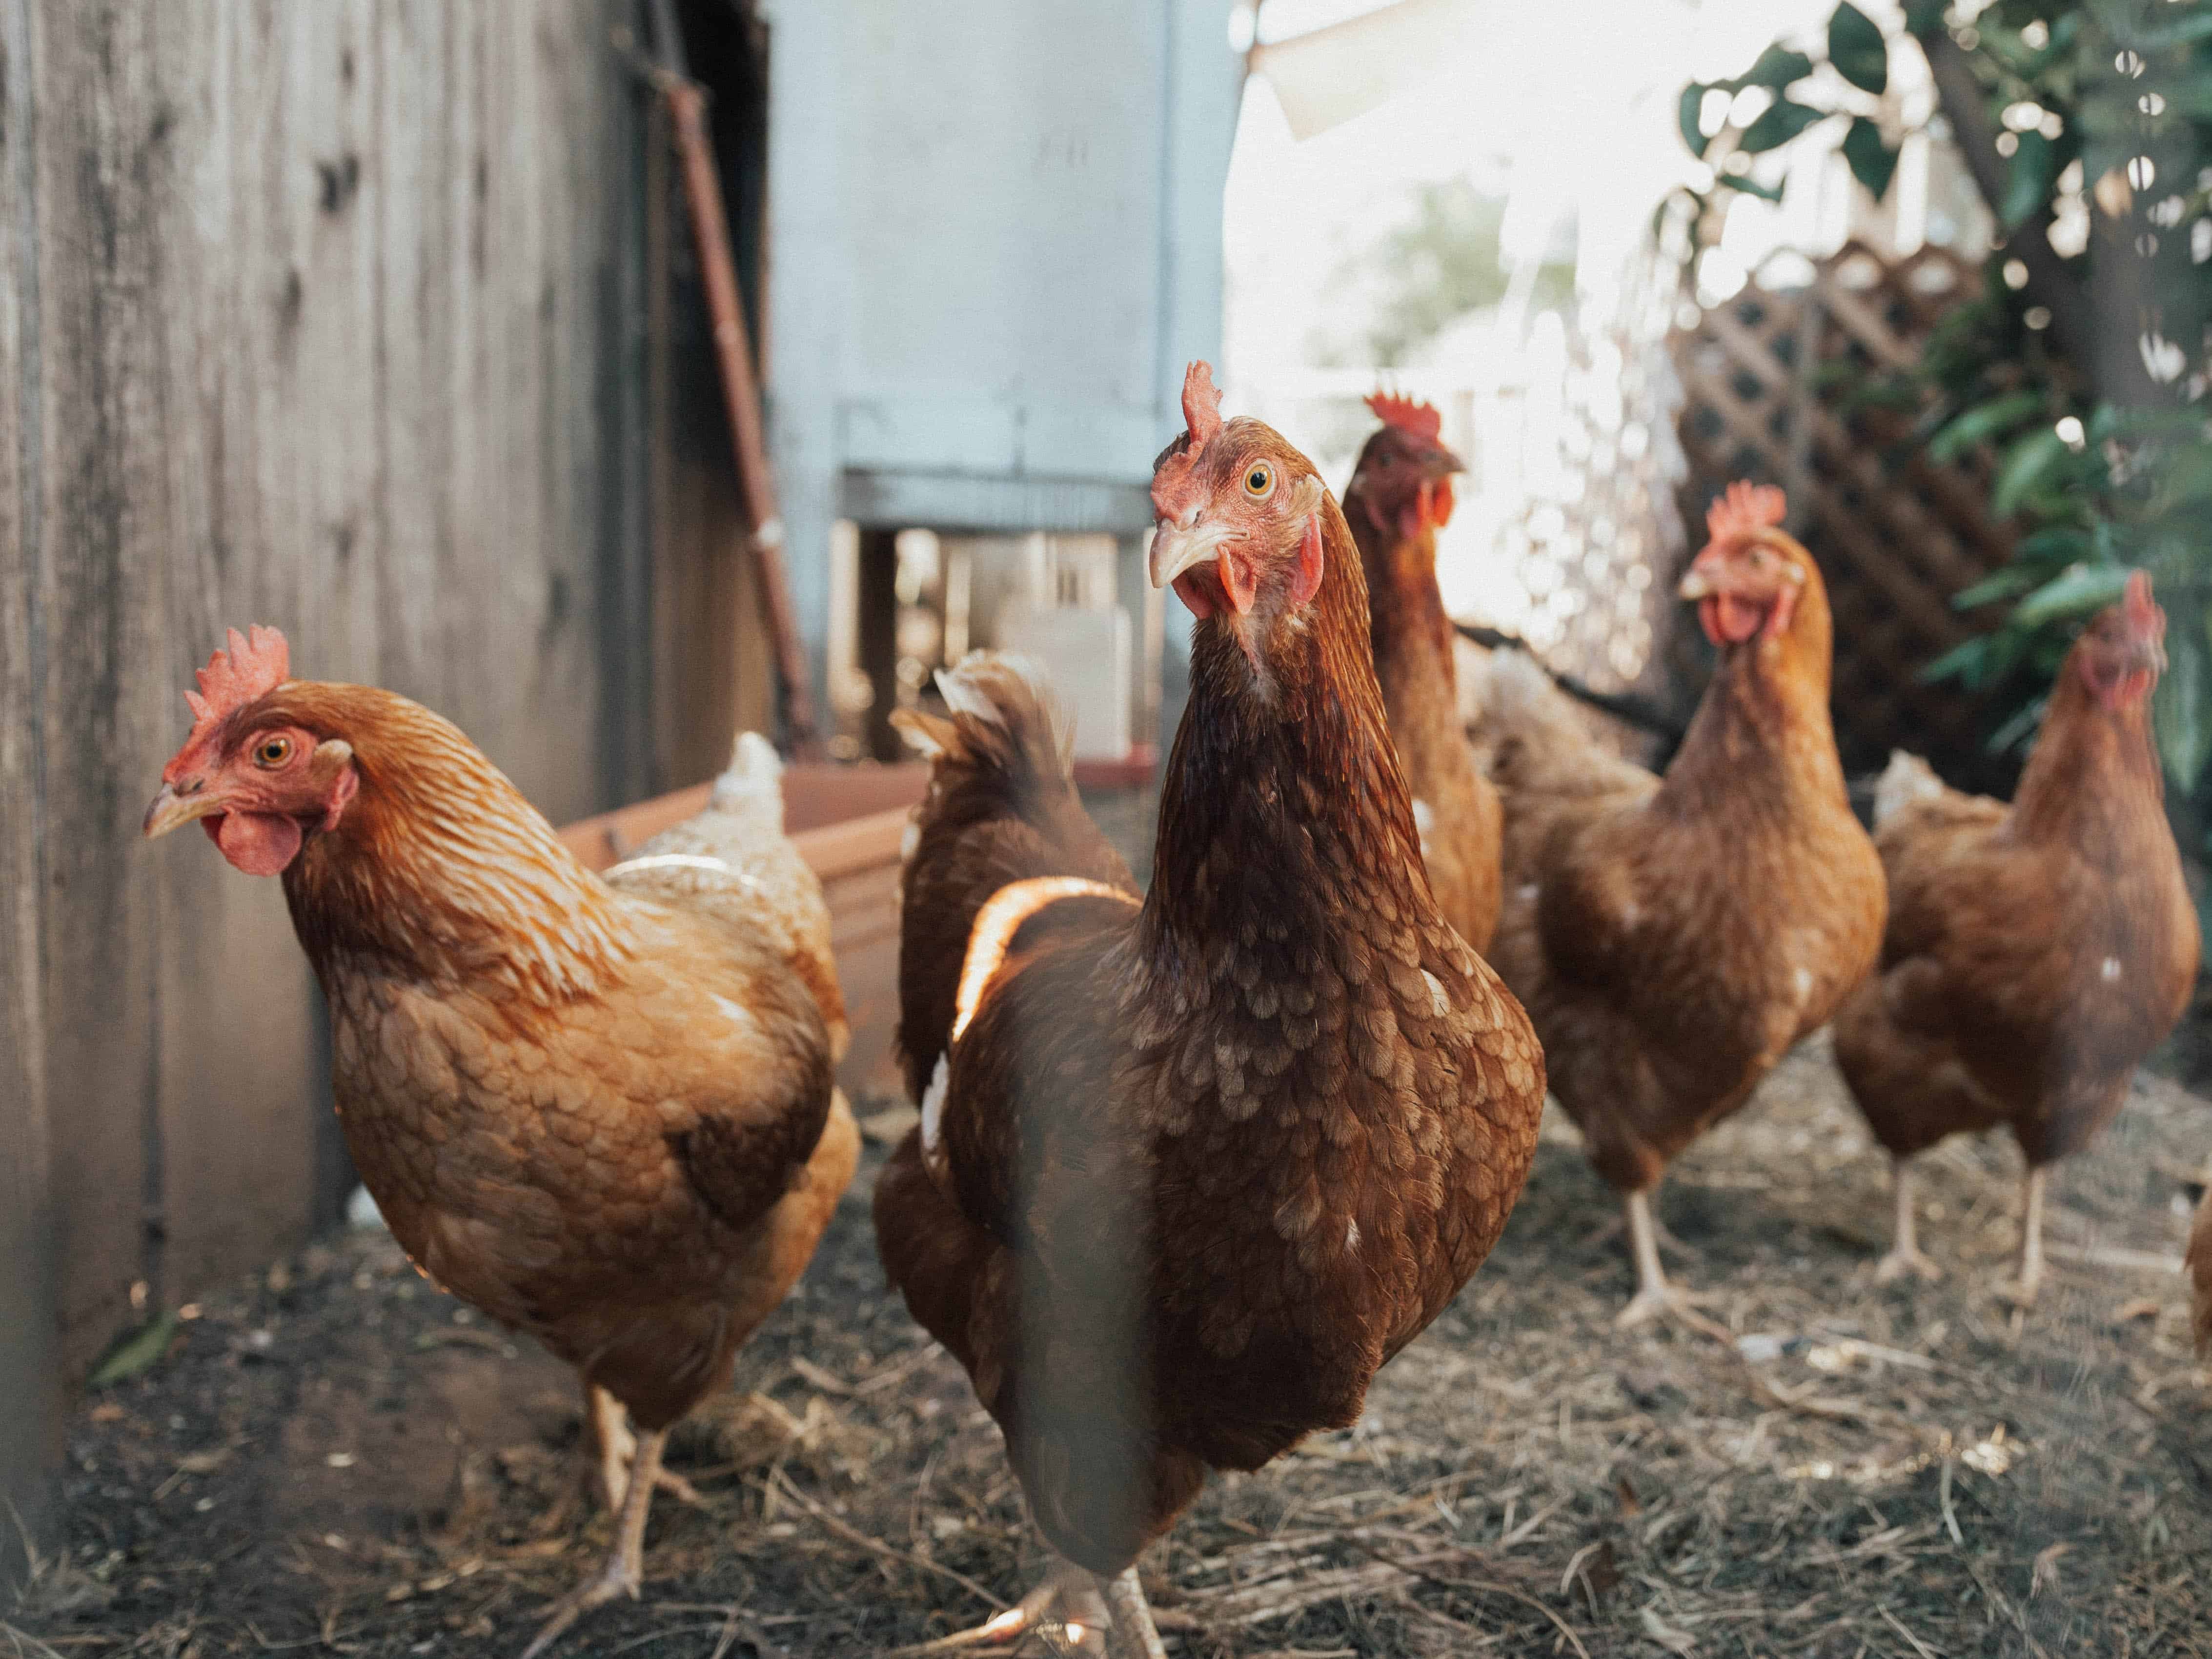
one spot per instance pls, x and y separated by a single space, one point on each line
335 1458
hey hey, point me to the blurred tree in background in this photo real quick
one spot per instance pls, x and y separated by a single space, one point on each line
1427 271
2087 125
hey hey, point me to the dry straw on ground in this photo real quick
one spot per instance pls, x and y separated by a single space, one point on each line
335 1459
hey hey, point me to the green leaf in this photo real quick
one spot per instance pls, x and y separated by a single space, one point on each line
2034 170
1997 585
1780 122
2080 591
1983 422
2194 24
2048 549
1856 49
2181 707
1751 186
1686 111
1923 18
2187 476
1776 67
2015 731
1961 661
136 1353
1873 162
2024 464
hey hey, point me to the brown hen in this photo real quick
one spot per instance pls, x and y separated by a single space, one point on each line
1672 939
1192 1167
2035 953
599 1111
1400 495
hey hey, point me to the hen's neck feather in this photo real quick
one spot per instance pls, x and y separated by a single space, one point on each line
1411 635
1283 798
2094 781
439 870
1764 719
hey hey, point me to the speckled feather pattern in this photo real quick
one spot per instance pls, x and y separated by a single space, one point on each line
1673 938
2034 954
1211 1163
601 1118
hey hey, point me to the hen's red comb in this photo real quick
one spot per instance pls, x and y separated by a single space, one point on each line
1417 420
1172 479
1201 404
2139 608
1745 510
257 663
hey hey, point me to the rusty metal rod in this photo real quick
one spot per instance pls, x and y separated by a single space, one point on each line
702 191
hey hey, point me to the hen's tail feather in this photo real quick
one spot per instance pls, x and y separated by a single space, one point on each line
1532 741
1004 720
1906 780
753 784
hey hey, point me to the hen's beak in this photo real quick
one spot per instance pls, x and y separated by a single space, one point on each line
2147 653
1177 547
1695 585
173 808
1440 464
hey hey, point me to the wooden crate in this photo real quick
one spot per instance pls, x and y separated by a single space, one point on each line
1895 534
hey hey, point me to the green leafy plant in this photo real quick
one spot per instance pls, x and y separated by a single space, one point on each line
2081 372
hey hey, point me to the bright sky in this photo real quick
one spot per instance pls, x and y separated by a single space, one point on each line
1564 107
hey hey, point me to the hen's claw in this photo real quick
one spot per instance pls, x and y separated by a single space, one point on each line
1664 1301
616 1579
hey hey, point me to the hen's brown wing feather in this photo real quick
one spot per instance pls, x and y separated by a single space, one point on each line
593 1180
1002 807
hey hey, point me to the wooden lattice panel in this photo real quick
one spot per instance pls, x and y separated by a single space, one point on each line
1895 535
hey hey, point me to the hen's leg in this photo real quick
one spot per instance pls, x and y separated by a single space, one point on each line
613 1448
625 1571
1904 1256
1654 1295
2022 1289
1133 1635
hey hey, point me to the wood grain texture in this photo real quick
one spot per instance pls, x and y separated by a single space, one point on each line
337 322
29 1437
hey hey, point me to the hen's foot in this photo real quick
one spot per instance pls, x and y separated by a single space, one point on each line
1066 1608
625 1571
616 1578
1671 1302
2020 1292
1900 1262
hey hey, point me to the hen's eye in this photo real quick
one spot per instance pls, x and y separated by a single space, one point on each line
1259 479
272 752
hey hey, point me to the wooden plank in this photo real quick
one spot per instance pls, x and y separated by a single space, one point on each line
331 302
100 598
31 1426
815 794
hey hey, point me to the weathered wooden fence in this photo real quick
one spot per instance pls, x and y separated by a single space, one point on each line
364 317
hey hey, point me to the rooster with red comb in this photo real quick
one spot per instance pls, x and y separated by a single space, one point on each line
1400 495
598 1109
